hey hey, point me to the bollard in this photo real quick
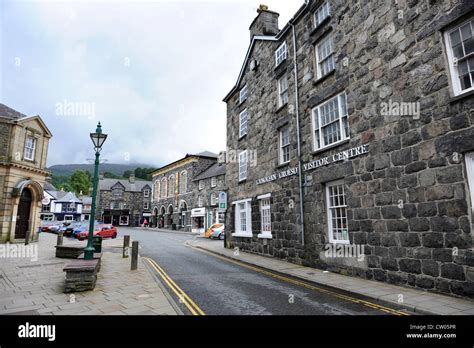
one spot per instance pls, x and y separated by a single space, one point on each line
126 245
27 237
134 255
60 239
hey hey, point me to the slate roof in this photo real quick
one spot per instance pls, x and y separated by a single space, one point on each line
69 197
86 200
106 184
56 194
49 187
214 170
206 154
8 112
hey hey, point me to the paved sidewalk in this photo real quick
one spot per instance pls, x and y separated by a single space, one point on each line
419 301
36 287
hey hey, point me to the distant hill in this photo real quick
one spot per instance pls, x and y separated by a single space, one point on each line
117 169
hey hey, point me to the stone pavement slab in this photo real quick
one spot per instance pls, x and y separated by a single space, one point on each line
37 286
416 300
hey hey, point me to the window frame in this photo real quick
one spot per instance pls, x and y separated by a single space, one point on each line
183 182
27 148
200 201
243 94
146 193
341 108
201 185
247 208
214 199
330 229
282 100
146 206
331 55
282 147
213 181
243 131
281 54
245 165
264 232
321 8
453 62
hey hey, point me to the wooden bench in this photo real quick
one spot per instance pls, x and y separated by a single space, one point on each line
69 252
81 275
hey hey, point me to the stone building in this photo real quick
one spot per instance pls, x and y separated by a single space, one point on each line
124 202
206 189
353 127
23 153
173 190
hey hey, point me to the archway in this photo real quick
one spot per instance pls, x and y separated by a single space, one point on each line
183 209
155 217
161 223
170 216
23 214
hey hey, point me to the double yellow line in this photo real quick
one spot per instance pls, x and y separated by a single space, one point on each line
183 297
308 286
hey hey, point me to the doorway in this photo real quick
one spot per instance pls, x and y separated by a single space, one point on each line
23 214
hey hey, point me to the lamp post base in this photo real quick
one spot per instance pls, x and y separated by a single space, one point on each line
89 253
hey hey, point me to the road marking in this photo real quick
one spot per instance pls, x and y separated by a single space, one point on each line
188 302
306 285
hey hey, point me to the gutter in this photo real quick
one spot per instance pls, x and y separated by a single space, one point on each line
297 109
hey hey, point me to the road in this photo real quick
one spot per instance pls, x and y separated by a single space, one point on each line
221 287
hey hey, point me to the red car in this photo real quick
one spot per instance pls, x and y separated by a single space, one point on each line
105 231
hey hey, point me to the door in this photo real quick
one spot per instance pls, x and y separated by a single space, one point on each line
23 215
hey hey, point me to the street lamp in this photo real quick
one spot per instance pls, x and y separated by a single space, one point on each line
98 139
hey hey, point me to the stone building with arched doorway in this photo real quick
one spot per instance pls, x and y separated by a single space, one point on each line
23 153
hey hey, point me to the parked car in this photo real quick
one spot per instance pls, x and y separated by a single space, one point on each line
57 226
45 225
217 234
68 230
213 228
105 231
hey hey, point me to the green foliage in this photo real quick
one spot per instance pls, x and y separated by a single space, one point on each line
109 175
80 182
144 173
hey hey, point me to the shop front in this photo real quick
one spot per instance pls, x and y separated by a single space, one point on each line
198 220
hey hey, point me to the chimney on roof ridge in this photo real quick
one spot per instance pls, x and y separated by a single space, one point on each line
131 179
266 23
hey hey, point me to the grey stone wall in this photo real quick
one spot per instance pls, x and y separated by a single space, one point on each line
408 199
5 138
193 169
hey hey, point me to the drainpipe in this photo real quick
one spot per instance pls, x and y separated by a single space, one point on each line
298 138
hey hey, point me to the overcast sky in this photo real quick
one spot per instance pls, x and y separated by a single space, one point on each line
153 72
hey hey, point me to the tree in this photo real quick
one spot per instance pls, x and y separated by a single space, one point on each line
126 174
80 182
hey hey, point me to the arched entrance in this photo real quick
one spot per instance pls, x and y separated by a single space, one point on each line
23 214
162 217
183 209
170 222
156 220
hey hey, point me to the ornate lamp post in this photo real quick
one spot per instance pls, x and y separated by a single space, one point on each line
98 139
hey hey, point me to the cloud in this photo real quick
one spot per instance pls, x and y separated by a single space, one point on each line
155 72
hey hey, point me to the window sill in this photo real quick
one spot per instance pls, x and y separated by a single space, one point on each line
240 103
242 234
280 108
242 137
322 78
344 242
281 63
329 147
282 165
265 236
242 181
467 94
320 25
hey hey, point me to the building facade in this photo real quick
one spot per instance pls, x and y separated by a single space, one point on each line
61 206
23 153
173 190
353 127
206 189
124 202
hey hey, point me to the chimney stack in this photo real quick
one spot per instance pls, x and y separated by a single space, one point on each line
131 179
266 23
